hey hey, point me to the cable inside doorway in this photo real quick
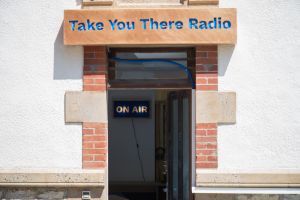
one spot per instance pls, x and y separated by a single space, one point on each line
138 151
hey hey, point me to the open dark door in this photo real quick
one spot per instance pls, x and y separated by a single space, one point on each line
179 146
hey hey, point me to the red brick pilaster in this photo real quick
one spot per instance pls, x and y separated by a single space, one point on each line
206 145
207 68
94 145
94 139
206 80
95 68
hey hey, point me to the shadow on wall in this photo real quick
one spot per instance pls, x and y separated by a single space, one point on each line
78 2
68 60
225 54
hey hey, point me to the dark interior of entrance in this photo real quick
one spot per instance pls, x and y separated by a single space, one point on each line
149 158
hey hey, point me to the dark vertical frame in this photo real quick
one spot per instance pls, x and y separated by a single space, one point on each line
170 156
181 193
180 145
188 95
191 61
111 66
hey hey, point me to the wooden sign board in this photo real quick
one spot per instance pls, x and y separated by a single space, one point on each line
157 26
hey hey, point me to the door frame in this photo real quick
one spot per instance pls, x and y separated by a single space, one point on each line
189 95
171 85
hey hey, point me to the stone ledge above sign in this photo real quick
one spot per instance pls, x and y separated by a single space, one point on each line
215 107
203 2
97 2
85 106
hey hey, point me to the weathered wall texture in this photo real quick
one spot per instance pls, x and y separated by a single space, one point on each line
36 69
263 70
47 193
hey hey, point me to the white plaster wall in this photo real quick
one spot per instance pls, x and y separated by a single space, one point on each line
264 70
35 71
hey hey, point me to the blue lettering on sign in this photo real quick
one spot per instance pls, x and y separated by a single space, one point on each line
90 26
216 23
132 109
99 26
73 23
150 24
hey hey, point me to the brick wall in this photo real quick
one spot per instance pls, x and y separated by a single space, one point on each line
206 80
94 139
95 134
206 145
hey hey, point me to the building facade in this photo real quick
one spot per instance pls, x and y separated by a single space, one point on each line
117 99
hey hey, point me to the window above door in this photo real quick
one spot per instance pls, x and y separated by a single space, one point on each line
151 67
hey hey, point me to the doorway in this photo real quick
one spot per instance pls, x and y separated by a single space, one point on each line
149 157
149 123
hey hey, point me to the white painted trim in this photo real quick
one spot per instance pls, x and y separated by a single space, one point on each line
219 190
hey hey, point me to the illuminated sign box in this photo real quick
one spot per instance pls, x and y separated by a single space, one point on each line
159 26
131 109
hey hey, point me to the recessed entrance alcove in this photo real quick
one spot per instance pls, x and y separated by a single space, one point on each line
149 154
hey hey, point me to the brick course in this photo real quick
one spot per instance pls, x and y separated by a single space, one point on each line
95 68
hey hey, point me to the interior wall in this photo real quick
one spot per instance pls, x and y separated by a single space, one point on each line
124 164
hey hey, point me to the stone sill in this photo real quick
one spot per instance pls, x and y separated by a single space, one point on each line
244 191
52 178
259 179
240 185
